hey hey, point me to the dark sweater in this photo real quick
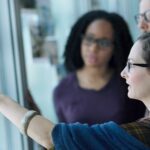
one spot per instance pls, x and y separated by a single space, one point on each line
75 104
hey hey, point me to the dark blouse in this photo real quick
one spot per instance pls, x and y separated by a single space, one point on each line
106 136
75 104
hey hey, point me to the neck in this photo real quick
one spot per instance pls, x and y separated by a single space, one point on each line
95 72
147 105
146 101
91 78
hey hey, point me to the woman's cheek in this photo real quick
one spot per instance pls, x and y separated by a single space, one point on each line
136 79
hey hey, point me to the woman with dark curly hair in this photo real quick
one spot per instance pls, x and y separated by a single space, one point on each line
95 53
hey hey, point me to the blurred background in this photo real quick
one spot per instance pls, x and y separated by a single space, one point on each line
32 39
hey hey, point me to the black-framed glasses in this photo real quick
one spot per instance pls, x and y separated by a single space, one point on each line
101 42
145 16
130 65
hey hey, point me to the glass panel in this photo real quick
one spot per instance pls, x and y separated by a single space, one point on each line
45 30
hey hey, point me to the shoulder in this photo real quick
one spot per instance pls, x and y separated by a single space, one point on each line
65 84
116 83
139 129
70 78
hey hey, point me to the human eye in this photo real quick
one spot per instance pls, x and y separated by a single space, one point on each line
87 39
104 42
129 66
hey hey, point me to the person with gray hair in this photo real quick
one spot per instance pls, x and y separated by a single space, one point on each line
143 18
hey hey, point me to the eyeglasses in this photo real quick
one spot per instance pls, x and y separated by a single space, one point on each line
130 65
103 42
145 16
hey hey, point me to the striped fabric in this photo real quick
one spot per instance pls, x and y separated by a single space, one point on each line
140 130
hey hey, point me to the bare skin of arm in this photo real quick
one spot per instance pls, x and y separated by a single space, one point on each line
39 128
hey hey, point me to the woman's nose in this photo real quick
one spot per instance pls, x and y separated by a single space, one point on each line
143 25
94 47
123 73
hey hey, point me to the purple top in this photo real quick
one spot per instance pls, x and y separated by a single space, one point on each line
75 104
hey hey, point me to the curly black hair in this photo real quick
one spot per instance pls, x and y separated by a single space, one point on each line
122 40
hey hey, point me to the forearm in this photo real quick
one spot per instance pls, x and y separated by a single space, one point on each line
11 110
39 128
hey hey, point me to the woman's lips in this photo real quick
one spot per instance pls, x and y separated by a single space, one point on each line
129 87
92 59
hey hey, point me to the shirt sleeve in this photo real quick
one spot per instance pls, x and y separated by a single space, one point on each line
101 136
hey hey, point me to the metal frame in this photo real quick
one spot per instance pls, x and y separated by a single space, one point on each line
12 69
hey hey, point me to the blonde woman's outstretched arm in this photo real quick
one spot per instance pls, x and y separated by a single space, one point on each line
39 128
